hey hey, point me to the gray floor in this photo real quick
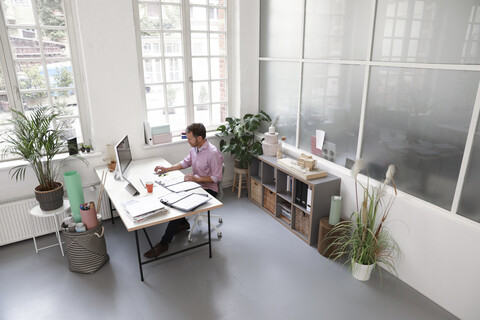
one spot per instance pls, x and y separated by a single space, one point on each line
259 270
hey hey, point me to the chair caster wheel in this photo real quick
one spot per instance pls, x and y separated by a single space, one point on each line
190 239
220 220
219 234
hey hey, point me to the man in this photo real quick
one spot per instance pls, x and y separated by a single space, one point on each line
206 162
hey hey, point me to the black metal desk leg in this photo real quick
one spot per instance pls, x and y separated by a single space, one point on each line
111 210
209 237
138 254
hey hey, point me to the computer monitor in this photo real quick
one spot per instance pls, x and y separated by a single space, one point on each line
123 155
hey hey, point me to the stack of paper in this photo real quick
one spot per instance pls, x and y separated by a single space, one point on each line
142 208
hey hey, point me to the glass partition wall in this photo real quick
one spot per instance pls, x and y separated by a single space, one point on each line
386 81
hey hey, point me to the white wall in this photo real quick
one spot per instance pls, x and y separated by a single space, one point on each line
440 251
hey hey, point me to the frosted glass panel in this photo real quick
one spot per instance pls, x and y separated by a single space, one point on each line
280 28
279 84
337 29
418 119
470 201
415 31
331 101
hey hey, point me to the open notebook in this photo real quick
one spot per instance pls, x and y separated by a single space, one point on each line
186 201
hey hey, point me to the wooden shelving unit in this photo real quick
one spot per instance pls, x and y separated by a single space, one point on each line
281 185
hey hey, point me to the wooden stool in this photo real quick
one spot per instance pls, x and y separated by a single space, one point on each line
239 172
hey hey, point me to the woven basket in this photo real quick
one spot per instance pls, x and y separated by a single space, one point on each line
256 190
86 251
302 222
269 200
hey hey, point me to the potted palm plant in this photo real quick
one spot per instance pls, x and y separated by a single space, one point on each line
364 240
33 139
242 145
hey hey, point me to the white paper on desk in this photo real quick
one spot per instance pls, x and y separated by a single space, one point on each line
140 206
320 137
161 191
183 186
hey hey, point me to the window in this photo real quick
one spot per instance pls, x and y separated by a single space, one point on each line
324 63
186 74
37 67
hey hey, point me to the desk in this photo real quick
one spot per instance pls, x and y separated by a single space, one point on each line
37 212
115 190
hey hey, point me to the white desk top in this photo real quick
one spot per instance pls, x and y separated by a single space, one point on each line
144 168
37 212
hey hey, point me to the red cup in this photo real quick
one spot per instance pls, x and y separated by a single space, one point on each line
149 186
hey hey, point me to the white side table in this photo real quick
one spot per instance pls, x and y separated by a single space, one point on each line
37 212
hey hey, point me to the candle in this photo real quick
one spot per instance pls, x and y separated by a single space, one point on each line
335 209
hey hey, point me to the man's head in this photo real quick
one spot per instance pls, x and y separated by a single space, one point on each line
196 134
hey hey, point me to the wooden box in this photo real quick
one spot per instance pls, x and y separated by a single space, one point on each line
269 200
256 191
324 244
302 222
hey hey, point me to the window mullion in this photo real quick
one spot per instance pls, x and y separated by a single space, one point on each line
187 58
43 57
8 69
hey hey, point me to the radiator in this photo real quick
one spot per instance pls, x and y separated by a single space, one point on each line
15 218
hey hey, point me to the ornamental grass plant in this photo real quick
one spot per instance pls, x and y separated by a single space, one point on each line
364 238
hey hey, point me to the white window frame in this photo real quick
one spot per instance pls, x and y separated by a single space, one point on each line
368 63
187 59
7 63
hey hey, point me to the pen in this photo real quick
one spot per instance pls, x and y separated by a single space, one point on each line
201 194
143 183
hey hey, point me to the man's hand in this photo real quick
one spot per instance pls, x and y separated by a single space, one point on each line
190 177
159 169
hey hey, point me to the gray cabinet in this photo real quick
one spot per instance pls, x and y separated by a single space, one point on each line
296 203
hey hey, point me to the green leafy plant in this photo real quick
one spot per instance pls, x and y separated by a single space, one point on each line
33 139
364 238
242 145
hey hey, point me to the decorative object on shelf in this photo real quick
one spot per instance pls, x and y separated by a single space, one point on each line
242 145
34 140
335 210
73 184
364 239
271 146
302 171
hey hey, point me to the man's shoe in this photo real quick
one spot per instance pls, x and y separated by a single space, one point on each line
183 226
159 249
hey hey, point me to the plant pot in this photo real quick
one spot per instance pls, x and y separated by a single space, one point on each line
362 272
237 165
50 199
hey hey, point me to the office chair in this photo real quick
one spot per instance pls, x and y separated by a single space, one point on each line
203 216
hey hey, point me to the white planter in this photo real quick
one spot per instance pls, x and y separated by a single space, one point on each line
362 272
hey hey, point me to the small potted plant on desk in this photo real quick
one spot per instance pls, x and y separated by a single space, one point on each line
364 240
34 140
